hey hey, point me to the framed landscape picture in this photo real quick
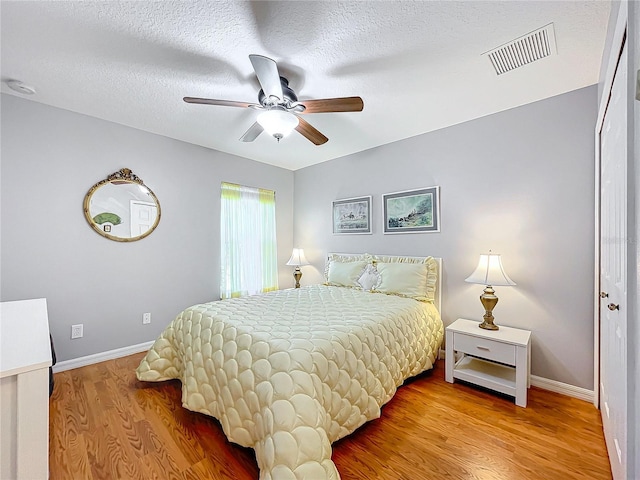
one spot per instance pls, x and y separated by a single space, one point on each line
352 215
412 211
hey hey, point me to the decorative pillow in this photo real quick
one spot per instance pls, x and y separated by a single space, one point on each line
369 278
407 277
345 274
345 258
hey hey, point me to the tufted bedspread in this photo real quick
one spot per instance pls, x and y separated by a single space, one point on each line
289 372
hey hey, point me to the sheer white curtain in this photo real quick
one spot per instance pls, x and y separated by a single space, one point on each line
248 241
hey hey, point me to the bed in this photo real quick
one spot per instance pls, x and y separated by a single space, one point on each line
290 372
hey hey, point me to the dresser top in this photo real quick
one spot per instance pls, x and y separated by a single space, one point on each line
24 337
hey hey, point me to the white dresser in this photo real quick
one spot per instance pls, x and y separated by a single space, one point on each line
25 358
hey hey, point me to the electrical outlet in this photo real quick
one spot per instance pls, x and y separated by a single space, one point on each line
146 318
77 331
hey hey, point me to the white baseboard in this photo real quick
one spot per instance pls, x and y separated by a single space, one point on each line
552 385
563 388
540 382
101 357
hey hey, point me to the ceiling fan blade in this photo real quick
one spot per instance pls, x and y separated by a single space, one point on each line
310 132
326 105
267 72
223 103
251 134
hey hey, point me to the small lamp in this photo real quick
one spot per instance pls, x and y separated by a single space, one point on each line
489 272
298 259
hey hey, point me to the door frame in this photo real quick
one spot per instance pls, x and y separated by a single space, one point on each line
617 43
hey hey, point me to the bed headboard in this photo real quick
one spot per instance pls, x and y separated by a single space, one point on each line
438 298
438 293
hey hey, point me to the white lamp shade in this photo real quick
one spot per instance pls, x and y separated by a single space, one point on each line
490 272
278 123
297 258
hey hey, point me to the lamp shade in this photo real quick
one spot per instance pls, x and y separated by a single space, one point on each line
490 272
278 123
297 258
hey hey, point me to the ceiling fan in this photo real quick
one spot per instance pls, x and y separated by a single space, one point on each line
279 105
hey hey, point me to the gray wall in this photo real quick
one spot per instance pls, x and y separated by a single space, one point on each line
519 183
50 159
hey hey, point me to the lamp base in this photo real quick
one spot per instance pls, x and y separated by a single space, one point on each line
488 300
297 274
489 325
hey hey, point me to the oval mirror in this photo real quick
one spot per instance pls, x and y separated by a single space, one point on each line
122 207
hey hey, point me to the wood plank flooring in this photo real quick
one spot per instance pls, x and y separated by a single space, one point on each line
104 424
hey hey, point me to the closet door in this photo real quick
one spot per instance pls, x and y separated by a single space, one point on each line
613 272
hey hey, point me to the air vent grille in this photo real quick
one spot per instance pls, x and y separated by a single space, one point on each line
529 48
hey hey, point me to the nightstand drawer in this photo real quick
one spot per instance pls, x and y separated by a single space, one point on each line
485 348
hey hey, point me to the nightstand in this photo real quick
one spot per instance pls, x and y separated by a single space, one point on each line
496 359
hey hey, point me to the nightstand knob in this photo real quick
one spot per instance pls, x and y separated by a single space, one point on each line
613 307
604 294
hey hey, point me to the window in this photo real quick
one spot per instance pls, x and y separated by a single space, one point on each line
248 241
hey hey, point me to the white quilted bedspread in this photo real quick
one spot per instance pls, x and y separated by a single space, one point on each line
289 372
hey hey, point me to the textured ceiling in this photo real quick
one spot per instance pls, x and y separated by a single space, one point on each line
417 65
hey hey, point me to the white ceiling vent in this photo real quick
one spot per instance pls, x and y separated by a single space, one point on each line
533 46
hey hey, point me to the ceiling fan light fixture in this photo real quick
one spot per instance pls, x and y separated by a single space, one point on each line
279 106
278 122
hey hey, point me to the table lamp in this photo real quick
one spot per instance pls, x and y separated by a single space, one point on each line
298 259
489 272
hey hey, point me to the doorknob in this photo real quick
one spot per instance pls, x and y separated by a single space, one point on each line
613 307
604 294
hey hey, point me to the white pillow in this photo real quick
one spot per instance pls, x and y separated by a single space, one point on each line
405 279
432 274
344 258
345 274
369 278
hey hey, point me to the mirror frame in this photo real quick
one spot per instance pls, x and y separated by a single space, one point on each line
124 175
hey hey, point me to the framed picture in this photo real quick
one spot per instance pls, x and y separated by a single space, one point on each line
352 215
413 211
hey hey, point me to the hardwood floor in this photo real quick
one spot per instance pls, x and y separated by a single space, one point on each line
104 424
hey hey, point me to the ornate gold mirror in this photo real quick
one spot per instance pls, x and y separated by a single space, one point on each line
122 207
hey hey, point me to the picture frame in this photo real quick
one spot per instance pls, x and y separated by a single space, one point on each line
412 211
352 215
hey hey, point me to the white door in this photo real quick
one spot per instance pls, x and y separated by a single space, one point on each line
143 216
613 272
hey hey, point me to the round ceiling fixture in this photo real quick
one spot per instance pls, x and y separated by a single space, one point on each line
20 87
278 122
